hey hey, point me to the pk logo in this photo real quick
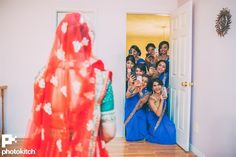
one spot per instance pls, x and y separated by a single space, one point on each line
7 139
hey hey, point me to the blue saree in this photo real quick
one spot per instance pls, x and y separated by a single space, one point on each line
136 127
165 133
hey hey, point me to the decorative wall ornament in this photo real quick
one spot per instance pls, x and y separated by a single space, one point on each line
223 22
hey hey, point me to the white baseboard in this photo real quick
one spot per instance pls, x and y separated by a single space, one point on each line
196 151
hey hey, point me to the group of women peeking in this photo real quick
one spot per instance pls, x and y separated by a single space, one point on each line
147 83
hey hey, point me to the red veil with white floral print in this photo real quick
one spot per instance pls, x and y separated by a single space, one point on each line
69 94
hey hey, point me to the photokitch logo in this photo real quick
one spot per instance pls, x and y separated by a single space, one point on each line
8 139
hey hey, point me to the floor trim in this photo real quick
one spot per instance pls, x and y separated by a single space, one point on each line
196 151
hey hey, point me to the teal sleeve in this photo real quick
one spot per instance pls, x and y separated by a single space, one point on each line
108 100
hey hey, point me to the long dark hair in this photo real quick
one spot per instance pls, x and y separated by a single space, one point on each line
136 48
162 43
142 67
151 82
150 45
130 58
167 65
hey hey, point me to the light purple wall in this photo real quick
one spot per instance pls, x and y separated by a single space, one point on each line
27 29
181 2
214 75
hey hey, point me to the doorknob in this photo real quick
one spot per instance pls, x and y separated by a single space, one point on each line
184 84
187 84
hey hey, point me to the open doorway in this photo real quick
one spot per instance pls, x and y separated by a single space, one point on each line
147 79
178 32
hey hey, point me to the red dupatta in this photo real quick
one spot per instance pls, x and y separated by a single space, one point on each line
64 94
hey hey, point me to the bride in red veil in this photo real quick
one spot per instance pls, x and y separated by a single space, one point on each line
73 108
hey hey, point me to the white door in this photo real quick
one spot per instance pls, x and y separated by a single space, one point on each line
181 72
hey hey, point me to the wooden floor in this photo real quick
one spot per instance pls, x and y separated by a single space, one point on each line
118 147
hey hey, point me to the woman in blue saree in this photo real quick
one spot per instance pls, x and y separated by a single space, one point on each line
130 64
162 72
160 128
136 52
163 49
135 110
